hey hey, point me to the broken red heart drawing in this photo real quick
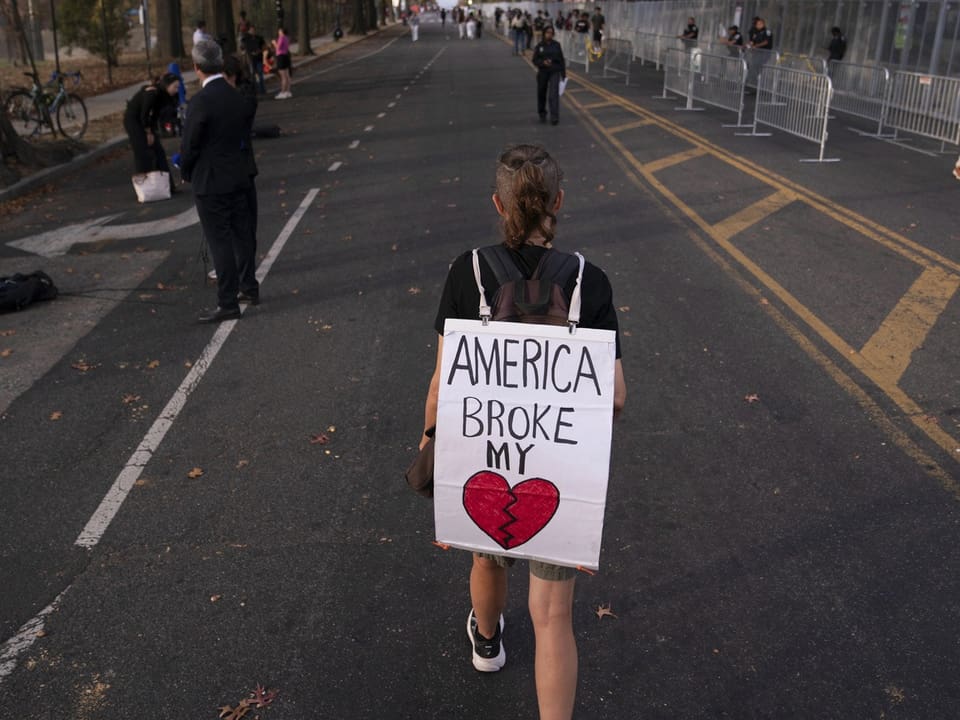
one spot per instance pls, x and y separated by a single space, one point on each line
510 516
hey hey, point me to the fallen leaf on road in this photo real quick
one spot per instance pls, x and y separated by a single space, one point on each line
624 308
153 364
604 611
7 333
82 366
261 697
6 352
332 428
195 473
752 398
414 291
56 415
319 439
128 398
242 464
215 598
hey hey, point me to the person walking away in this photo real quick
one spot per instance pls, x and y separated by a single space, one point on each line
598 23
253 45
528 29
443 18
733 41
141 121
471 27
519 35
281 49
200 33
461 22
690 34
479 22
582 25
838 45
414 23
236 73
212 160
551 68
528 199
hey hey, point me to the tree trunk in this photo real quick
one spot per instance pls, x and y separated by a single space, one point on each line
169 28
220 23
371 14
358 26
303 27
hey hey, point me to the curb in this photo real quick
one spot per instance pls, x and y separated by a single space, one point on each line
38 179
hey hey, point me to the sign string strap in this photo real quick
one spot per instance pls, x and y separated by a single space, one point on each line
573 317
484 308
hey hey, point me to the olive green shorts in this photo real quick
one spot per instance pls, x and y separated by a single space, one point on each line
539 569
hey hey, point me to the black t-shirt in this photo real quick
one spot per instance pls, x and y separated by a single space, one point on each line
762 36
461 299
692 32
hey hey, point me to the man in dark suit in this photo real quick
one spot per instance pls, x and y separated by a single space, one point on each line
213 161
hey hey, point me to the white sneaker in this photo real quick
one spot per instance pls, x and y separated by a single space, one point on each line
488 655
212 274
283 95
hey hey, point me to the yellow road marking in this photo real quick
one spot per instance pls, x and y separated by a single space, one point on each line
601 104
917 416
751 215
630 126
906 327
675 159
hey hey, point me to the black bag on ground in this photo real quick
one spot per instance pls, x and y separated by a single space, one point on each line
17 291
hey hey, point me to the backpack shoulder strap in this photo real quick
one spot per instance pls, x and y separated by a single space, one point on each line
502 264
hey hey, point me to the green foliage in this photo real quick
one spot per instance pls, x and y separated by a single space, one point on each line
80 23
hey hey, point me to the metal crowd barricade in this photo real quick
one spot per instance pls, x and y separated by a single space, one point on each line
575 49
795 102
617 56
925 105
678 77
862 91
645 48
721 81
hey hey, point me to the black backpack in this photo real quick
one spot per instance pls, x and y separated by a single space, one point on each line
18 291
539 298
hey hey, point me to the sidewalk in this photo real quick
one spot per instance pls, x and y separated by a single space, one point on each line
113 102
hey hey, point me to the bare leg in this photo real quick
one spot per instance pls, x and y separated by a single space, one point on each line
551 609
488 591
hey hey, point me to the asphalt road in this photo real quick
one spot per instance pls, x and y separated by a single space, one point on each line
782 521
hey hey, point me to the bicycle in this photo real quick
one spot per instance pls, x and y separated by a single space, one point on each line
30 111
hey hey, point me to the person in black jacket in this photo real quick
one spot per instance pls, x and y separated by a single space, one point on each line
548 57
141 120
212 159
838 45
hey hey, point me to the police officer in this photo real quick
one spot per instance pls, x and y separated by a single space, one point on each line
548 57
734 41
690 35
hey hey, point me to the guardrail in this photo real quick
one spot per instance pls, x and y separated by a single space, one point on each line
574 46
925 105
862 91
795 102
757 60
617 56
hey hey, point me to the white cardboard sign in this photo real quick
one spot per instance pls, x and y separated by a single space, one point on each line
522 456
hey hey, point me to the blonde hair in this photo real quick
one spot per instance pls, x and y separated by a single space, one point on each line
528 181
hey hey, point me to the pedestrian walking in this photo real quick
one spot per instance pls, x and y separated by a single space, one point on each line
582 24
690 34
141 121
212 159
551 68
414 23
200 33
443 18
528 199
281 51
519 33
253 45
597 24
479 23
838 45
471 27
462 22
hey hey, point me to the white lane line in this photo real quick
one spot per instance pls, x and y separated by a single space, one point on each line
117 494
382 115
335 166
398 96
393 104
368 128
344 64
11 650
354 144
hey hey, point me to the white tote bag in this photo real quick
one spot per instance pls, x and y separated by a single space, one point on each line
152 186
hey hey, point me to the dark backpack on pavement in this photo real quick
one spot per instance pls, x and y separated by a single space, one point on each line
539 298
18 291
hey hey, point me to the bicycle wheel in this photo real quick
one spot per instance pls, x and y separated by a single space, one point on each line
72 117
23 113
